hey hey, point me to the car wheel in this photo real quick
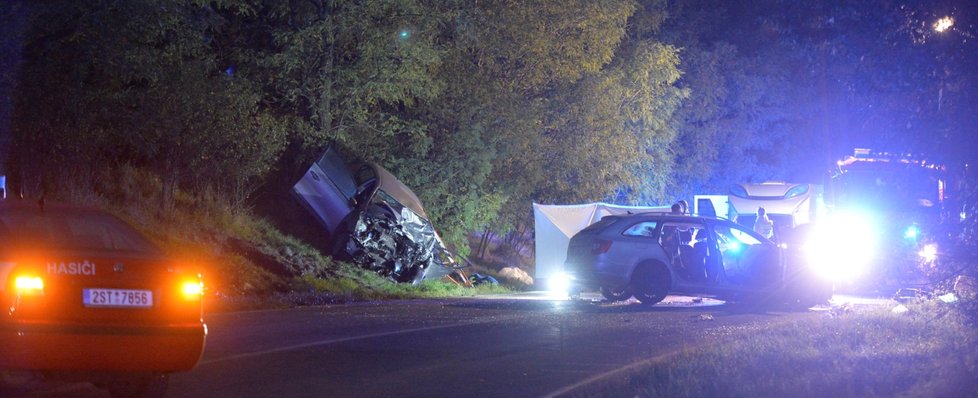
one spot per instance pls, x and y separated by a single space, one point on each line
651 283
620 294
140 385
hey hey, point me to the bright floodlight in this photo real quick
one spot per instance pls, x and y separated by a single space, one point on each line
842 248
560 284
943 24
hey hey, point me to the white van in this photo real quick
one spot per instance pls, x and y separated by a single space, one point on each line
788 204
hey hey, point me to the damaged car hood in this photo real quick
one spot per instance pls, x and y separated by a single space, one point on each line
381 225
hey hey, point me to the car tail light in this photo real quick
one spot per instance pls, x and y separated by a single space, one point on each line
601 246
192 289
29 285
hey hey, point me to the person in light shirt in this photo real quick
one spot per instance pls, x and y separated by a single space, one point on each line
764 225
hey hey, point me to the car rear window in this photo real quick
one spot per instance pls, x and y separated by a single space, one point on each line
71 231
604 222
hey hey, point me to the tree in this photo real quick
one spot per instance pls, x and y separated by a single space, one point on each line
137 82
341 71
616 129
505 66
872 74
738 124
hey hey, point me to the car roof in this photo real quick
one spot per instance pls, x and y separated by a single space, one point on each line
672 217
13 212
396 189
669 216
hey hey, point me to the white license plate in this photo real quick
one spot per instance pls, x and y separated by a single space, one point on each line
125 298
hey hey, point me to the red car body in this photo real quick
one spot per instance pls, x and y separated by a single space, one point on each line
83 291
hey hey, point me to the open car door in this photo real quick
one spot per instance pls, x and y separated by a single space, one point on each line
327 190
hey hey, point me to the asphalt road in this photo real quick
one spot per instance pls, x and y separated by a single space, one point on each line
480 347
441 348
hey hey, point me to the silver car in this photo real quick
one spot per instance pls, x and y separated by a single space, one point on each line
650 255
372 219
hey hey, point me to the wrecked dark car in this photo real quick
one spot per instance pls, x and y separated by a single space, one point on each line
372 219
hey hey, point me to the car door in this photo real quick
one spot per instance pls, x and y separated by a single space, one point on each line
686 243
745 258
327 189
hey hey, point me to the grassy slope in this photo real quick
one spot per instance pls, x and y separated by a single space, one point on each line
245 261
930 351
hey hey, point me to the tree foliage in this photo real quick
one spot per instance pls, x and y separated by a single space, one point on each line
572 125
483 107
108 82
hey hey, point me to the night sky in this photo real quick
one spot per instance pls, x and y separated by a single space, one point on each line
875 74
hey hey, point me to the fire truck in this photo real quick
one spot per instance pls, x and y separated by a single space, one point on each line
882 213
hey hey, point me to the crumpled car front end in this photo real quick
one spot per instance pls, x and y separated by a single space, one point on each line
401 246
384 228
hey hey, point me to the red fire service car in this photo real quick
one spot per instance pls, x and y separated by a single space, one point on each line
85 296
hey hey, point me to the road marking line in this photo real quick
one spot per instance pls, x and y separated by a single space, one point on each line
610 373
346 339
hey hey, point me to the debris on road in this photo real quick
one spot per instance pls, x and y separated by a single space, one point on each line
703 317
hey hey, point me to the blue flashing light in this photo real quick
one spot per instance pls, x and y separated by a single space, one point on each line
404 34
734 246
912 232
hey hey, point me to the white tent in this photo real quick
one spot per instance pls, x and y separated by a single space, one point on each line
555 225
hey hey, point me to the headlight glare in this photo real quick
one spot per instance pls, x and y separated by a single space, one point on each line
843 247
560 284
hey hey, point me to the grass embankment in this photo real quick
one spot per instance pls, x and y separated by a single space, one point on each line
246 262
931 350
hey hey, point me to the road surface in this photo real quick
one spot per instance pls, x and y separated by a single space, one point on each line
474 347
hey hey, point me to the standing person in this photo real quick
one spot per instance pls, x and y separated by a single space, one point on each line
684 205
764 225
